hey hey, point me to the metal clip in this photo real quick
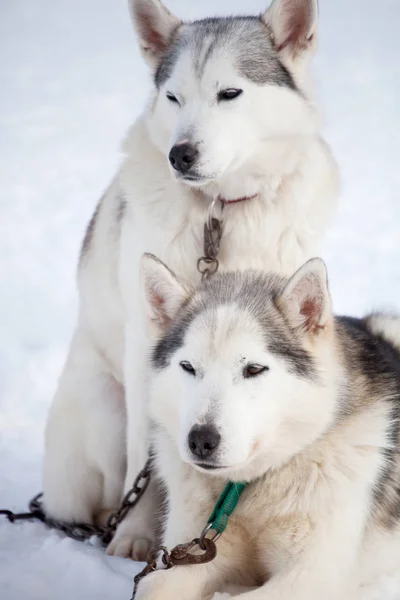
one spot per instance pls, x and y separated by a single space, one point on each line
207 267
208 264
212 238
203 534
181 555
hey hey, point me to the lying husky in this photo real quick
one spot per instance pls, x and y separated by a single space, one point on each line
230 118
253 379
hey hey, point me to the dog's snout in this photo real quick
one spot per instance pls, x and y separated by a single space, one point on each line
183 156
203 441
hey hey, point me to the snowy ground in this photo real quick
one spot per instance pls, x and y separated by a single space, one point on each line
71 82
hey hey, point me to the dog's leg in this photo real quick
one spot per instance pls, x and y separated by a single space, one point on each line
184 521
192 582
84 462
187 582
325 568
136 534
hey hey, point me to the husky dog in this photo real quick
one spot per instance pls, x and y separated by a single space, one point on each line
230 118
253 379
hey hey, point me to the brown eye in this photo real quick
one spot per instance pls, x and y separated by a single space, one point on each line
253 371
172 98
229 94
186 366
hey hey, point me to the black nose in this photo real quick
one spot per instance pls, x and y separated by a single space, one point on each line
182 157
203 441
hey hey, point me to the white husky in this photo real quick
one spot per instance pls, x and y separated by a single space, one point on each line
230 118
253 379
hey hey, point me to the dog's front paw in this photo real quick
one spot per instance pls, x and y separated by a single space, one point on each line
153 587
133 539
172 584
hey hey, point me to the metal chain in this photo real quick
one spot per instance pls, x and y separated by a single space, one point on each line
83 531
76 531
151 567
208 264
180 555
129 502
183 553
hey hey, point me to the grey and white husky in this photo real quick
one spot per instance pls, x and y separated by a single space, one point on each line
231 117
253 378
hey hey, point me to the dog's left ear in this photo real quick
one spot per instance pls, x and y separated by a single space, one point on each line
294 25
155 27
305 301
164 294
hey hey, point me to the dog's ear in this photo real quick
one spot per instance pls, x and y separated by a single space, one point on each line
164 294
305 301
294 25
155 27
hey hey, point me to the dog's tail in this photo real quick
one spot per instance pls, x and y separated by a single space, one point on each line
386 326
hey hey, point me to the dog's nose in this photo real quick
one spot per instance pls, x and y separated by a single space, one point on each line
203 441
183 156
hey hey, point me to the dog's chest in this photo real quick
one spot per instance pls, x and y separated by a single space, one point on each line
270 533
252 238
266 530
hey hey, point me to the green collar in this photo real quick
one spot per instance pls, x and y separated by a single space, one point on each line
225 506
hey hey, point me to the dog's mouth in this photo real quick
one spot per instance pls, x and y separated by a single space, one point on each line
202 182
191 178
236 200
209 467
194 180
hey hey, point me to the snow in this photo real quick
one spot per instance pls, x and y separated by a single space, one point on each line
72 81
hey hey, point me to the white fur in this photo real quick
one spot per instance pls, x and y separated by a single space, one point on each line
266 143
303 527
387 326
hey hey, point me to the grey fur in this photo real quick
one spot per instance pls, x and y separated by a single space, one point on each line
370 355
375 361
87 240
120 209
254 292
247 39
121 206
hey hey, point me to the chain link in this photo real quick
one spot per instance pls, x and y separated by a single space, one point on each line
83 531
208 264
76 531
180 555
128 503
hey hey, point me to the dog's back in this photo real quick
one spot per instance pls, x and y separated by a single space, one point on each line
375 344
372 354
386 327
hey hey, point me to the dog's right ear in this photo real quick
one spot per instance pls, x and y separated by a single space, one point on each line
294 25
164 294
306 301
155 27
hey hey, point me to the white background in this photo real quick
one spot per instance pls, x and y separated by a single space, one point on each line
71 81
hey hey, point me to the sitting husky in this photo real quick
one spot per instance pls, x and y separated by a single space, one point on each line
230 119
253 379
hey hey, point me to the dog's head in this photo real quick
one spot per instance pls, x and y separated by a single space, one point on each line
243 368
229 92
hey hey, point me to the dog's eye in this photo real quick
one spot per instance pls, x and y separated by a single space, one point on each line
229 94
172 98
186 366
253 371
